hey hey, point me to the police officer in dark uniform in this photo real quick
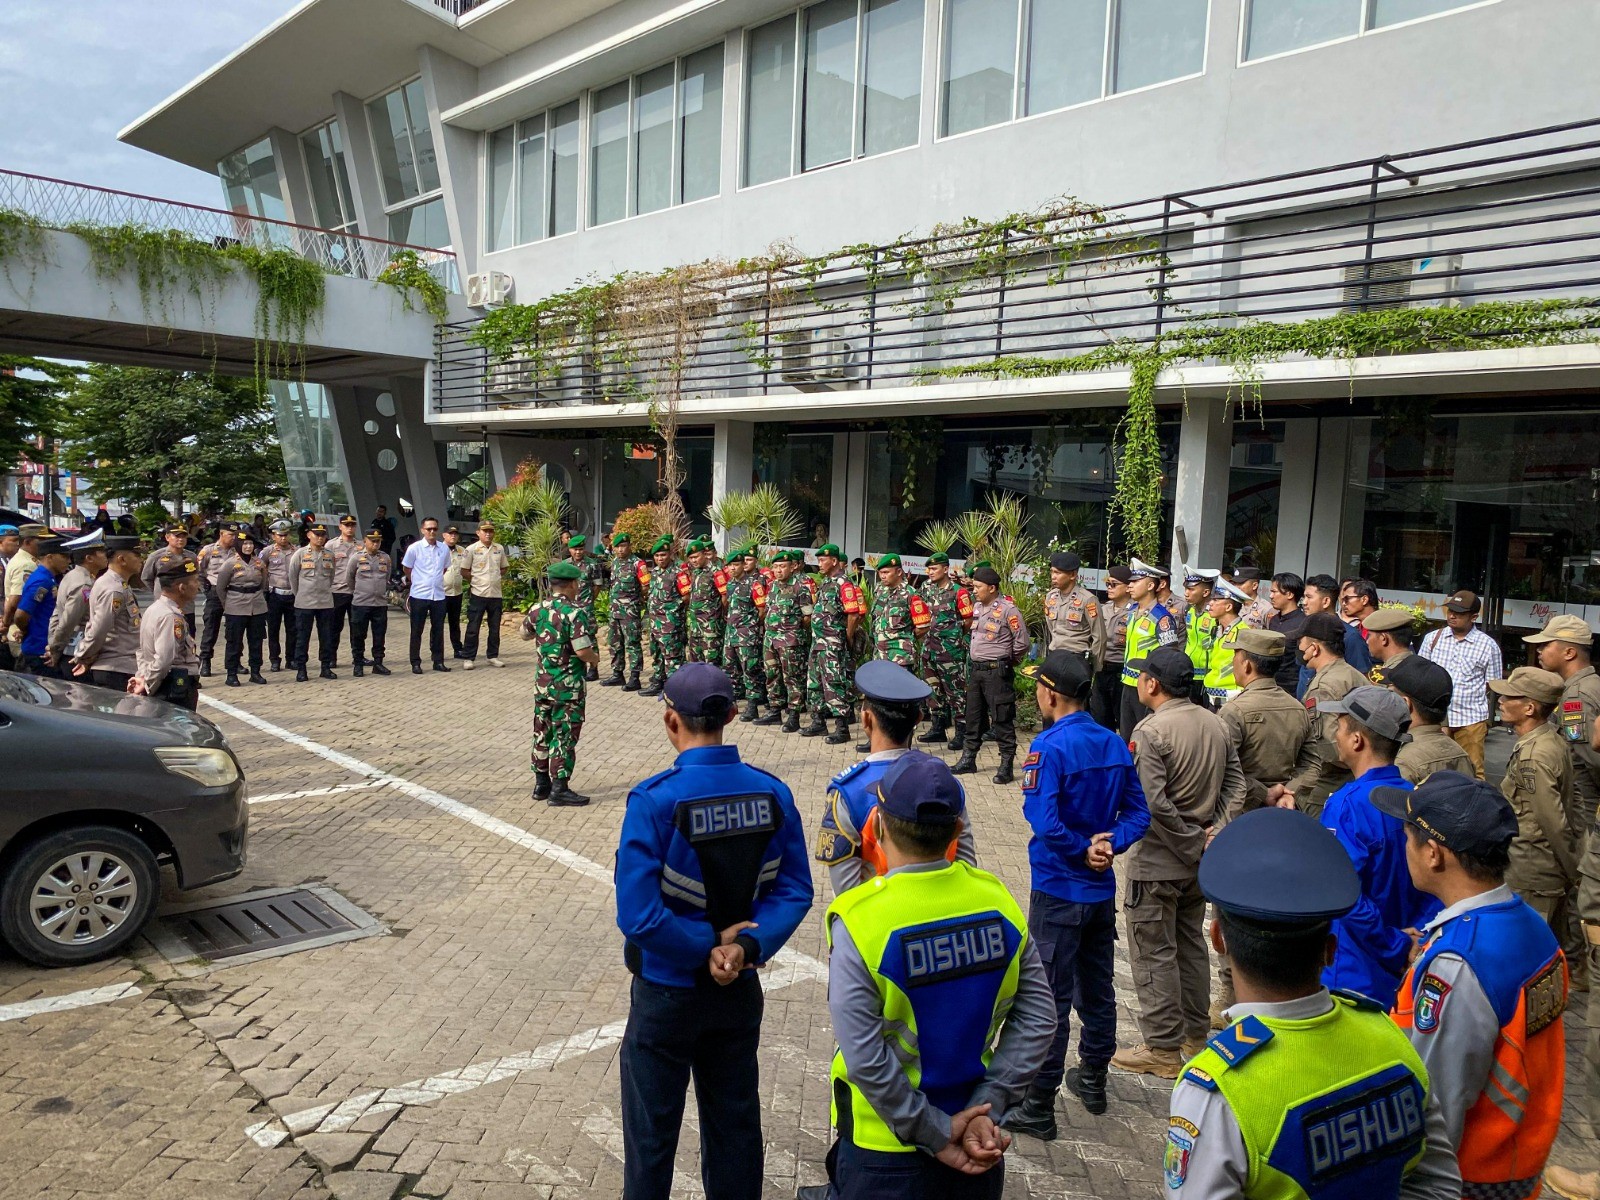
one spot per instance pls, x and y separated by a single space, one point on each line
1306 1092
729 888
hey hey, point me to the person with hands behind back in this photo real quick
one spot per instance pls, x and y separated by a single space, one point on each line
712 879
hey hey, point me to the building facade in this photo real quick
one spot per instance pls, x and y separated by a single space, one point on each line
1220 162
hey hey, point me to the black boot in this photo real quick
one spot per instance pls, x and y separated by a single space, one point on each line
632 685
1035 1116
300 676
562 796
277 664
791 722
592 674
840 734
205 668
774 717
934 735
966 764
816 729
378 668
752 711
256 676
232 680
1089 1085
653 690
357 670
864 746
326 673
1004 775
612 680
541 785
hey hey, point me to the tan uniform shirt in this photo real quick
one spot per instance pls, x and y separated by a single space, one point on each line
1178 606
366 578
452 573
212 559
243 586
111 638
999 634
160 555
277 559
1574 720
1117 630
1073 621
343 551
166 644
22 565
72 608
1428 748
1257 613
311 577
488 566
1538 782
1272 735
1312 787
1191 780
1376 673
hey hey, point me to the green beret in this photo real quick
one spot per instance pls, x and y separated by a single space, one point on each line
664 542
564 571
577 541
938 559
982 562
829 548
618 539
889 560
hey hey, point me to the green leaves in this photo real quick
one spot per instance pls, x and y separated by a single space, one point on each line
407 273
765 514
30 402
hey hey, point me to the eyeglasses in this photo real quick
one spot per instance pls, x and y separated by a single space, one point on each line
430 529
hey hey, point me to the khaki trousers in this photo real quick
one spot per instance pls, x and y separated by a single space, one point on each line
1470 738
1171 967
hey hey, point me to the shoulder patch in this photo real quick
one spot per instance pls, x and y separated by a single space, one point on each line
849 773
1431 993
1199 1078
1175 1158
1164 623
1241 1039
1311 704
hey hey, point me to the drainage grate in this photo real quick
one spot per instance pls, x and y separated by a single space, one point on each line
259 925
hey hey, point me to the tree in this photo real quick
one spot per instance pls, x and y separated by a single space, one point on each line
30 402
148 436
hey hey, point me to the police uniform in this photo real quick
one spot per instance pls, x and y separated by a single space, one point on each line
169 658
212 559
242 584
343 548
1317 1096
1427 747
1484 998
1257 609
311 578
1072 619
844 842
366 578
706 845
166 555
109 648
927 963
1108 679
1270 730
280 597
72 600
1148 627
999 645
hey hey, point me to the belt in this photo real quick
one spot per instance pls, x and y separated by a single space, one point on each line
280 591
990 664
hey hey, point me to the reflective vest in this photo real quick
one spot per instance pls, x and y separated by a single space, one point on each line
945 949
1146 631
1508 1131
1334 1105
846 832
1220 683
1199 634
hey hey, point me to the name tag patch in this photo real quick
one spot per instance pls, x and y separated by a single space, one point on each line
705 820
1369 1125
1546 998
953 951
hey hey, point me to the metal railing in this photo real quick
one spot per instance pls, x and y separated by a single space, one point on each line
60 204
1507 218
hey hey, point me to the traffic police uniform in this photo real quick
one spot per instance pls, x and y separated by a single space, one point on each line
1427 748
280 597
1072 619
366 578
1148 628
1318 1096
311 578
1223 639
708 844
1200 628
927 963
1484 998
110 644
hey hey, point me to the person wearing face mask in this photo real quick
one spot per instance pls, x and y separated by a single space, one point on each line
242 585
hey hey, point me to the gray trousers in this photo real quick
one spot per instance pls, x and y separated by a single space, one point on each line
1171 967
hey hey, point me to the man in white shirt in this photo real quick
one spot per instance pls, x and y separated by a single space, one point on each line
1473 658
425 565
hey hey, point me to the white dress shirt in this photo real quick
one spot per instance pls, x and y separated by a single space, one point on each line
427 565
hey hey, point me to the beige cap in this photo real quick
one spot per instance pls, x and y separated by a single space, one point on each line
1259 641
1386 619
1530 683
1563 628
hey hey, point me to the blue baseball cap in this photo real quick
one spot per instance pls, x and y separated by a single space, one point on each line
920 788
699 689
1279 867
890 683
1463 814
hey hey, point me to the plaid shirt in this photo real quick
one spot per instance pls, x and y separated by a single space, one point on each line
1472 661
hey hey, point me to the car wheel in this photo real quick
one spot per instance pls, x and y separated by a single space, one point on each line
78 895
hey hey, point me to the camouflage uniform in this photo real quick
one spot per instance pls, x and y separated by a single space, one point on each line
560 628
741 645
629 577
705 614
593 575
944 651
899 614
787 642
829 686
666 596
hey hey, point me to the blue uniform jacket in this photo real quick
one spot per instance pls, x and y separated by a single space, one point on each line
1373 947
39 602
1079 780
708 809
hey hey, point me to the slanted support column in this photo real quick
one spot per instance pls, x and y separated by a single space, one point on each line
732 461
1200 511
447 82
420 454
361 164
344 407
292 172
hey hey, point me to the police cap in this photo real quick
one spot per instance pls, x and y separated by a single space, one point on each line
172 569
564 572
699 689
227 527
318 527
1461 813
280 526
52 545
1227 591
118 542
94 539
1121 574
987 575
1061 671
1065 560
920 788
1144 570
1279 867
1247 574
1195 576
890 683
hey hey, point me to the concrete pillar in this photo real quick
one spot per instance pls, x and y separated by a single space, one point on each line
447 82
1296 495
418 452
1200 510
292 176
847 517
732 461
344 408
504 455
361 164
1324 553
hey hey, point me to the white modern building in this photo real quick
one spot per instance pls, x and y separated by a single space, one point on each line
1275 160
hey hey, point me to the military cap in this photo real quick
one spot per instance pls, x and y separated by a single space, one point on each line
564 572
1463 602
1386 619
938 559
664 542
889 560
1563 628
791 556
1463 814
750 550
347 519
1194 576
8 530
1143 570
1228 592
830 549
1120 574
1379 709
880 679
920 788
171 570
32 530
1278 867
987 575
981 565
577 542
1065 560
1169 666
1424 681
1247 574
698 689
317 527
1529 683
620 539
1061 671
1267 642
372 534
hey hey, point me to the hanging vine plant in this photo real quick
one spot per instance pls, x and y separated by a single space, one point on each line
913 445
419 286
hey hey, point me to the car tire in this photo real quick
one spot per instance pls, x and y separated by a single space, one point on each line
97 860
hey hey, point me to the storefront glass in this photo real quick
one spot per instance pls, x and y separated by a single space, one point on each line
800 466
464 468
631 476
1254 485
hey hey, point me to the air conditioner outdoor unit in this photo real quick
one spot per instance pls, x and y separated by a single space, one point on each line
510 378
813 356
1429 282
489 287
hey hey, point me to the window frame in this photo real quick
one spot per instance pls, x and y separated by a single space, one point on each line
422 197
278 174
351 223
1366 29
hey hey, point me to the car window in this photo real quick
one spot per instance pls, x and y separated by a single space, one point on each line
21 688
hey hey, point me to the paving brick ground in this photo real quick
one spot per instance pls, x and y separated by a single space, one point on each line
471 1050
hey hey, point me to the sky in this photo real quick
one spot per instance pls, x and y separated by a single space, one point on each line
73 72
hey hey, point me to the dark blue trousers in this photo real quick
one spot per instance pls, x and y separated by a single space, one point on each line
707 1033
859 1174
1077 944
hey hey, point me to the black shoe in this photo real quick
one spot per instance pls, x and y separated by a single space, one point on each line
816 729
592 674
864 747
439 666
791 723
958 736
541 785
751 713
934 735
379 669
562 796
300 676
612 680
817 1191
774 717
967 764
326 673
1088 1084
416 668
358 671
632 685
1035 1116
840 734
653 690
232 680
457 654
1004 775
257 677
277 664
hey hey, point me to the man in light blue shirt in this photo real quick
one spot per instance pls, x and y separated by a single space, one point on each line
425 564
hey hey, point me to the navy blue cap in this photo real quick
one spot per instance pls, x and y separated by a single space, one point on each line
1065 560
1463 814
1061 671
920 788
699 689
891 683
1276 866
1169 666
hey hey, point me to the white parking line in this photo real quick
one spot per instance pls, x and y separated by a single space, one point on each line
322 791
50 1004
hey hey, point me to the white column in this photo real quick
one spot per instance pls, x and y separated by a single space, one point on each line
847 522
1296 495
292 172
355 462
732 462
418 451
447 82
361 164
1200 511
1328 501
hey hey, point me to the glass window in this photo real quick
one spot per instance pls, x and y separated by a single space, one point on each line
769 102
608 155
1255 479
391 137
1158 40
421 225
330 181
250 182
801 467
827 115
564 154
1066 53
980 57
1275 26
700 124
422 137
501 231
652 139
310 446
1392 12
891 97
532 195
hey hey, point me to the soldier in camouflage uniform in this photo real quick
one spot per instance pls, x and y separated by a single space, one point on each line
565 636
786 640
944 650
898 623
835 614
741 645
708 585
593 575
665 601
630 576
